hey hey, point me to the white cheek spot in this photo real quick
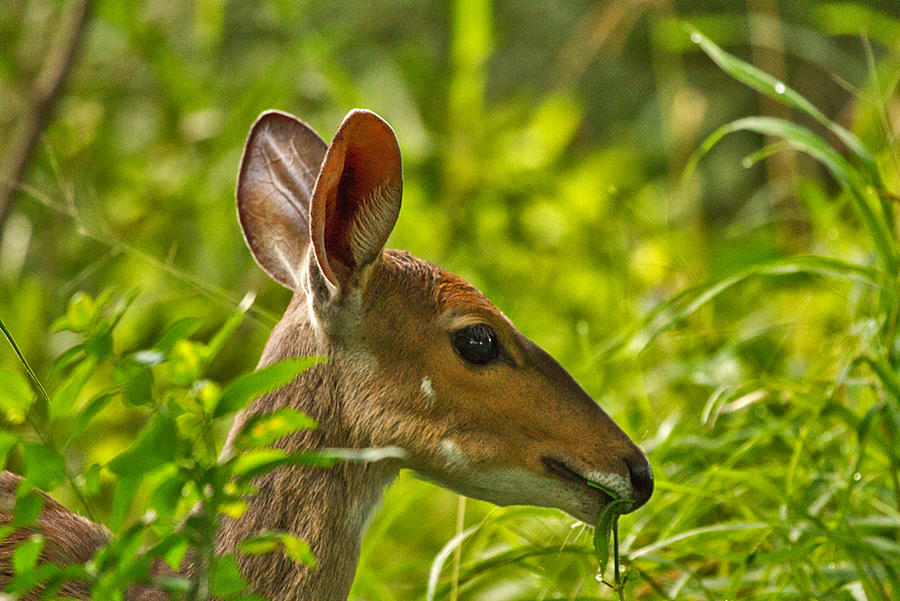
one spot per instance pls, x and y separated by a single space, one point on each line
427 389
453 455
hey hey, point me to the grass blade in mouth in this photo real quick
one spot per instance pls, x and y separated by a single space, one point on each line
608 524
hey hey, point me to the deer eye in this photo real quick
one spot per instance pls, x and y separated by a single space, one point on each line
477 344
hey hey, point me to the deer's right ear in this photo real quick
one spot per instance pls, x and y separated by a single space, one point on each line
276 181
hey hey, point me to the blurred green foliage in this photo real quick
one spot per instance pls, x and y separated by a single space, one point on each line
544 153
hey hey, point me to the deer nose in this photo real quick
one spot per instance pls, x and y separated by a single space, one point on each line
641 478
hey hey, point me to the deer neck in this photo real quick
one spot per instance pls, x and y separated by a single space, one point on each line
329 508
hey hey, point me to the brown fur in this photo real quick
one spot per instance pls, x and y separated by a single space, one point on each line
69 538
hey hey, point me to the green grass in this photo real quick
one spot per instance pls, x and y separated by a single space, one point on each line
709 249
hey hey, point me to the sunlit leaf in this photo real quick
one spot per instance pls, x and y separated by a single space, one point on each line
80 312
63 400
681 306
271 542
179 330
263 429
231 324
8 441
86 415
155 446
44 467
250 386
225 577
26 555
16 395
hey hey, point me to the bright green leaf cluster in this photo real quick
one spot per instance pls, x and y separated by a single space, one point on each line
172 463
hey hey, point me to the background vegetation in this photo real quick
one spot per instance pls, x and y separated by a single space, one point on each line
738 320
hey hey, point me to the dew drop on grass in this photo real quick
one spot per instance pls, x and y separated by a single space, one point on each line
780 88
696 38
857 477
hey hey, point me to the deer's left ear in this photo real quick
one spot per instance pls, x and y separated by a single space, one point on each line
356 199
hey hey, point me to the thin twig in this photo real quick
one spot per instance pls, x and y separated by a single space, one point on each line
45 95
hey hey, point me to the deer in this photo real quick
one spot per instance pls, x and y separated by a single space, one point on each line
417 358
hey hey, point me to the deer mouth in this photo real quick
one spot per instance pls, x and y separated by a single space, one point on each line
561 470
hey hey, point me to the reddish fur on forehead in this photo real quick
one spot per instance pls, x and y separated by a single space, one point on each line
446 290
456 292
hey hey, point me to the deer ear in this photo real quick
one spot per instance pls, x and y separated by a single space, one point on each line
275 184
357 197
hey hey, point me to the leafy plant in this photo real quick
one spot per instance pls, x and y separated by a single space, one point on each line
172 467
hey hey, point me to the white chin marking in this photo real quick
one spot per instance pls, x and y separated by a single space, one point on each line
453 455
427 389
611 482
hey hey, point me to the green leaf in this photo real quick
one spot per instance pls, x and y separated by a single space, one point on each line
167 494
231 324
602 535
366 455
271 542
90 411
80 312
207 393
262 429
137 382
247 387
887 376
155 446
186 362
123 496
91 485
29 503
99 346
64 361
44 467
298 550
26 555
64 398
252 463
260 544
8 441
179 330
16 395
225 576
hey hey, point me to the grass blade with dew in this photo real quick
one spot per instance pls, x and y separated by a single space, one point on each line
805 141
675 310
765 84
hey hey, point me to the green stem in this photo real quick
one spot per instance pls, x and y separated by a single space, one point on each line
43 399
42 408
617 579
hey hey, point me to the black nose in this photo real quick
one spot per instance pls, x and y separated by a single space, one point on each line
641 478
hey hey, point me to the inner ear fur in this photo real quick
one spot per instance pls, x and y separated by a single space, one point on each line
281 161
357 197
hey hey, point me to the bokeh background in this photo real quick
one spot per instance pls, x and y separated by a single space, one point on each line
544 148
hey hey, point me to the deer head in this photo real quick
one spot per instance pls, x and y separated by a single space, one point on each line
426 362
